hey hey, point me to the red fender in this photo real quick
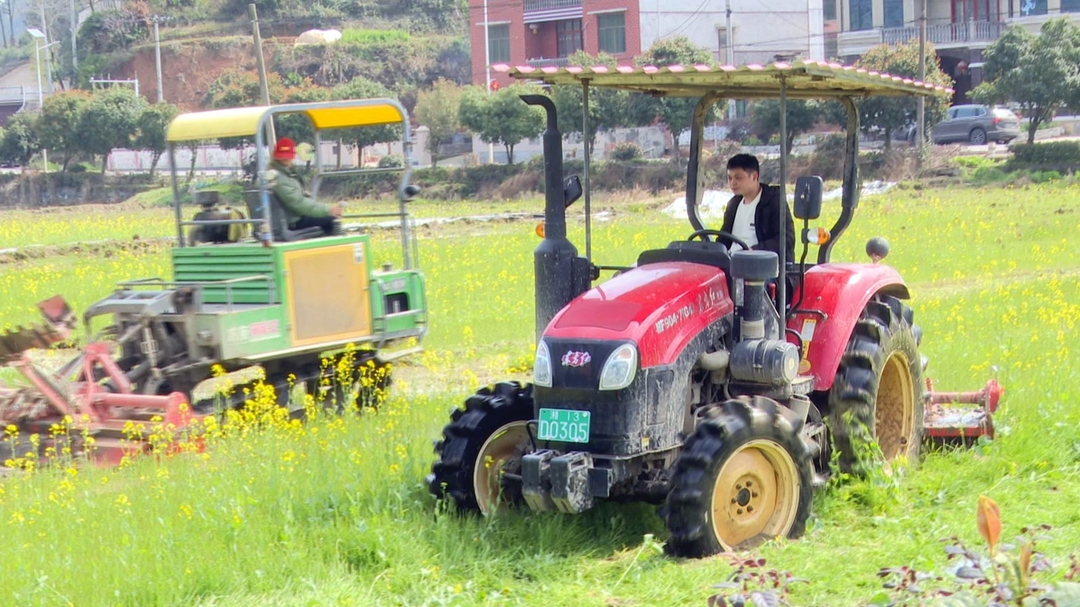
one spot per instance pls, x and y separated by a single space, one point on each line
660 306
840 291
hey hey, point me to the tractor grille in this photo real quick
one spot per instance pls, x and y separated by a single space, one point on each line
578 363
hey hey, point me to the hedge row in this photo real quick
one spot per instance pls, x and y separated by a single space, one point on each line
1054 154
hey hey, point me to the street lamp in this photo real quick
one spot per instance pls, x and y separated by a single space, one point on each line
38 37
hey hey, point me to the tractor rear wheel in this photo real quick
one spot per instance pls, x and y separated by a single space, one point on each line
481 444
744 477
877 393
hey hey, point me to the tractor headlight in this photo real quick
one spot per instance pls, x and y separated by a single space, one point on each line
542 366
620 368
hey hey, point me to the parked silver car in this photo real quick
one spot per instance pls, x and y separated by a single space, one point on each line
977 124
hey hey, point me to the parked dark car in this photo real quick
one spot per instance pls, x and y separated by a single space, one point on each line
977 124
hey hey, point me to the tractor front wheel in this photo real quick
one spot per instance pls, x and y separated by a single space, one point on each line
877 394
744 477
481 445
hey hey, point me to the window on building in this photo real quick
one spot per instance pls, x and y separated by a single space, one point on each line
894 13
612 32
832 47
498 44
828 8
862 15
1032 7
569 35
721 45
1070 6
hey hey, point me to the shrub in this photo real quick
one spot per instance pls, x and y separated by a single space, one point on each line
988 175
1058 154
391 162
626 152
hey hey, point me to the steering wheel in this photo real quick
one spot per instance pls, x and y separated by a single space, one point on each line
704 234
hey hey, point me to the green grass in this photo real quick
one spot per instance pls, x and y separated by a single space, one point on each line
337 514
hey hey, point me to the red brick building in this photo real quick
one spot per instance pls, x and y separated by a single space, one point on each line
546 32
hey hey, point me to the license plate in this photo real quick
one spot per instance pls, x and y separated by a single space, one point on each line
564 425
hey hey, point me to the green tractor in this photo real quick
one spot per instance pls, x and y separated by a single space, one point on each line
310 309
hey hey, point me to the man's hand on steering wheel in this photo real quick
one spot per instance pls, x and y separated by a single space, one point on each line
720 236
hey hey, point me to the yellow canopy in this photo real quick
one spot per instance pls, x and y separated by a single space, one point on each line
244 121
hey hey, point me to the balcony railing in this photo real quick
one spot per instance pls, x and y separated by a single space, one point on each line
542 62
545 5
946 33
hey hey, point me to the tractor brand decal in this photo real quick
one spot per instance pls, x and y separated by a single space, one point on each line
398 284
709 299
358 252
256 331
576 359
674 318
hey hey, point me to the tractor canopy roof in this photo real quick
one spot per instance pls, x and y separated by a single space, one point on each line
803 80
246 121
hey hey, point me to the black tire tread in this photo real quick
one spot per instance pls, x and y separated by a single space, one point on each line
884 326
723 430
484 413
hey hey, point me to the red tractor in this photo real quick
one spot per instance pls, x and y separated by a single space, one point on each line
716 384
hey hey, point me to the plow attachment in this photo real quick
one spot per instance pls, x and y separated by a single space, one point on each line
89 399
963 416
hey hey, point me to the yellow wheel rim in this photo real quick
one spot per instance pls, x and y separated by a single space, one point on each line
894 415
756 494
502 446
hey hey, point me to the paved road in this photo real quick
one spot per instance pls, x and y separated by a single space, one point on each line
24 75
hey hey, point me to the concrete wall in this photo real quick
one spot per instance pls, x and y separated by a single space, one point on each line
760 30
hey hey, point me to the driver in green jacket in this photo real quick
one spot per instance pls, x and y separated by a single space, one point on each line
303 211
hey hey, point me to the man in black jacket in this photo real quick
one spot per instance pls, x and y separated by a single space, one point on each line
753 214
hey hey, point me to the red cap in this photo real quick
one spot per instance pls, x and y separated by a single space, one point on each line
285 149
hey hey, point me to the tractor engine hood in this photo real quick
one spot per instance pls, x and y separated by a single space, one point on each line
659 307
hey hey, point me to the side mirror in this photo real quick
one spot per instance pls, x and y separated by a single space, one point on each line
411 191
571 190
808 197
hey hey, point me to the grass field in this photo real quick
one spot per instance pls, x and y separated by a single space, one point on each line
335 513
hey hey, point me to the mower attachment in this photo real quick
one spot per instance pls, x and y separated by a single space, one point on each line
946 417
78 396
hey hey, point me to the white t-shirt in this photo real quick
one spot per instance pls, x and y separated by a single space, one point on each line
743 229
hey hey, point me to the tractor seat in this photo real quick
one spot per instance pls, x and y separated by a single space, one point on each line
279 219
713 254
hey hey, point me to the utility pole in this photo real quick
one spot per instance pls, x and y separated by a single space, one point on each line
487 71
48 61
730 58
263 84
157 56
921 114
74 58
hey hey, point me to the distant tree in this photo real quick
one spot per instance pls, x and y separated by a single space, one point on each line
1041 73
675 112
502 117
298 126
361 137
109 121
802 115
58 125
437 108
152 125
607 107
239 88
891 113
19 143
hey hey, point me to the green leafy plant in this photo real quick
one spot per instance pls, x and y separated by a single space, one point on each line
751 584
1002 576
